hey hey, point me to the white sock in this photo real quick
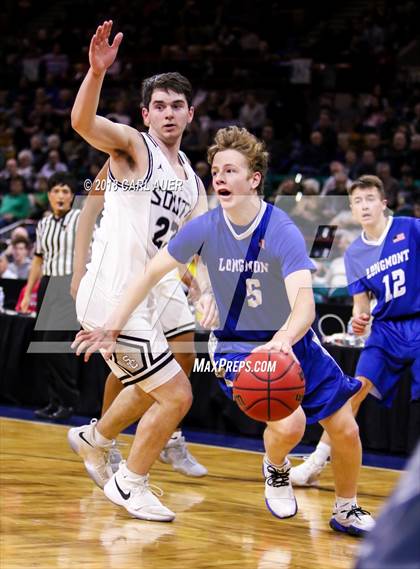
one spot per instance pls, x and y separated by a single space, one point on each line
278 466
341 502
99 439
322 453
129 475
176 435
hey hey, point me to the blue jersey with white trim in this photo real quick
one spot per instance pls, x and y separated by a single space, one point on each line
388 268
247 268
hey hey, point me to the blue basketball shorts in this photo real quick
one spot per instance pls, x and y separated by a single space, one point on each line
392 346
327 387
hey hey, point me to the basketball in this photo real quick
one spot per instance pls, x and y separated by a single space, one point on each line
270 386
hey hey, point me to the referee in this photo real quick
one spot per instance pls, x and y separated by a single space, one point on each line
53 261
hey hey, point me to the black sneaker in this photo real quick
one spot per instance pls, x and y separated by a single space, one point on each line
62 413
46 412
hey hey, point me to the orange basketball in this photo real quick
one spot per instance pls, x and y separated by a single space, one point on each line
270 386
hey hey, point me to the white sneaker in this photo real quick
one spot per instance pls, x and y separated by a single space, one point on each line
114 456
307 473
352 519
177 454
82 441
279 495
136 497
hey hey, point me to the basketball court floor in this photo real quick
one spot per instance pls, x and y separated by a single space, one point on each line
52 515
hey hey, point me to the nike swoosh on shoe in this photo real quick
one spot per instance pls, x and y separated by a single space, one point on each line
125 496
81 435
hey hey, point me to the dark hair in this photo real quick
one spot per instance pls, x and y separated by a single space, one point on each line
20 179
365 182
62 179
20 239
165 81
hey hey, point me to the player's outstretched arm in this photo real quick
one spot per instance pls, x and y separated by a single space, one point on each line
99 131
301 299
92 207
104 338
205 304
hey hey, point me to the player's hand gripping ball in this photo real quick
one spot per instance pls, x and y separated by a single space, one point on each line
270 386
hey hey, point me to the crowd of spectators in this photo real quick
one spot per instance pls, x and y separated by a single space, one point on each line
331 103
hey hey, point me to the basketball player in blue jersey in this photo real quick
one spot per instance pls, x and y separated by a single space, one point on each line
151 190
261 278
382 264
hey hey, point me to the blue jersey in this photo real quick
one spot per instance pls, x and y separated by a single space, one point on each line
388 268
247 268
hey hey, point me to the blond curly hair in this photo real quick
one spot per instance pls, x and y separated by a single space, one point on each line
241 140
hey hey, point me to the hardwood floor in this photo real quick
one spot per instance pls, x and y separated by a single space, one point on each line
52 515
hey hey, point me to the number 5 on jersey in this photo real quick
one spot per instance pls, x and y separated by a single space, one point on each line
253 292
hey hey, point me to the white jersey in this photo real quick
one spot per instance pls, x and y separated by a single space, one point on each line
138 219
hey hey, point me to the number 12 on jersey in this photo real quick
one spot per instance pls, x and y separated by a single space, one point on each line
397 284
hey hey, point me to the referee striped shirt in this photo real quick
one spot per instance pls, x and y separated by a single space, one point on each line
55 238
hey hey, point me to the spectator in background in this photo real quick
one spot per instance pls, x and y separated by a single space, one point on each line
53 142
336 167
56 63
39 198
314 156
252 114
372 142
283 194
20 232
202 169
15 204
38 153
329 136
413 157
398 155
274 148
119 113
21 263
407 183
336 278
5 272
25 167
53 165
194 142
403 206
351 163
343 145
10 171
367 164
311 187
391 185
338 186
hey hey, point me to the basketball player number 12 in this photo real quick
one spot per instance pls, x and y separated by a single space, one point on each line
398 278
253 292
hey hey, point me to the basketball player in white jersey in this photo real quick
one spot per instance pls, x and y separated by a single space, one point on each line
173 311
151 189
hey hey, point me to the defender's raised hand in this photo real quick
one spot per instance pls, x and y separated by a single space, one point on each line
101 54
